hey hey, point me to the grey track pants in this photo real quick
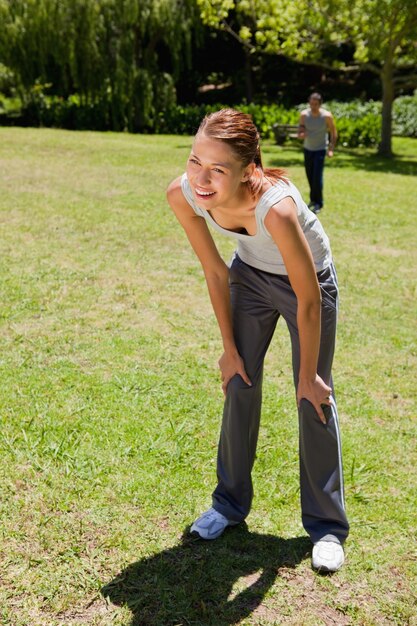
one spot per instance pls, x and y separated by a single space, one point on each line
258 300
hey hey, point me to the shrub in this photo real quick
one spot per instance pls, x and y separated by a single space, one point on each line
366 116
358 123
404 117
185 120
362 131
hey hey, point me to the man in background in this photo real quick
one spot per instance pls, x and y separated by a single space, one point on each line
318 130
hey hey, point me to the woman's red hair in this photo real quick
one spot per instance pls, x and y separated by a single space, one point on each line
239 132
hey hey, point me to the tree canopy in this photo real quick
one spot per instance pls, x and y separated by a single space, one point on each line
125 53
126 56
380 33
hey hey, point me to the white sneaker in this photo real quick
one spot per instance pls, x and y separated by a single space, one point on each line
328 556
211 524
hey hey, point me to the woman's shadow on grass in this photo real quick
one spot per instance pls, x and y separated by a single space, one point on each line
216 583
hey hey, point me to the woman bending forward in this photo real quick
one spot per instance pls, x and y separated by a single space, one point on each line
282 267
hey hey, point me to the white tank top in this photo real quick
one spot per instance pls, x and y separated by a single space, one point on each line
260 250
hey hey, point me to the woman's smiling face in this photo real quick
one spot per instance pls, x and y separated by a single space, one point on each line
214 173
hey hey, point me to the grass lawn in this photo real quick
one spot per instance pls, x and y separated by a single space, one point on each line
110 399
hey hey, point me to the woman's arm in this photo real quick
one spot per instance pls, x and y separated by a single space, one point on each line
282 223
216 274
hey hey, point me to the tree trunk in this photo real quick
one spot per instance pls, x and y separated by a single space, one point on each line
385 147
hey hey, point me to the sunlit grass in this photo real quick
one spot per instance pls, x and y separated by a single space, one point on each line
110 398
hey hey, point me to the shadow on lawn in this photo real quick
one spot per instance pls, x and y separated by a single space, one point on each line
350 159
192 582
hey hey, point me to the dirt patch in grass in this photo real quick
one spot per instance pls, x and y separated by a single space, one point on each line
95 611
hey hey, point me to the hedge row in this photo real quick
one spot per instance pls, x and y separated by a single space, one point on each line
358 123
364 130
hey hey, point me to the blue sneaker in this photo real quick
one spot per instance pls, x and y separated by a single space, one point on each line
211 524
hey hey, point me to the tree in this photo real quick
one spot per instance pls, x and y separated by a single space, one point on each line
382 34
123 54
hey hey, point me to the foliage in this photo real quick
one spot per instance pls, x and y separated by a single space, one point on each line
358 123
306 29
380 30
302 29
405 116
364 131
382 34
113 54
366 115
123 58
6 80
186 119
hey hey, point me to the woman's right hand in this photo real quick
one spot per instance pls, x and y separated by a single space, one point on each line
230 364
317 393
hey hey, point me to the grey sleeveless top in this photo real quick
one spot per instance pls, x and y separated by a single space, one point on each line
316 131
260 250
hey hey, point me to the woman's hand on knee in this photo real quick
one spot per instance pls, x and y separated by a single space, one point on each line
230 364
317 392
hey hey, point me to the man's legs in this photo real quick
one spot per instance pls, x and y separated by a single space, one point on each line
309 168
317 177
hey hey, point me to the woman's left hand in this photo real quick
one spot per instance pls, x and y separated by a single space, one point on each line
316 392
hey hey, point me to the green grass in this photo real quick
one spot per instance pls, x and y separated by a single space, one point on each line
110 399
